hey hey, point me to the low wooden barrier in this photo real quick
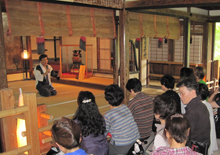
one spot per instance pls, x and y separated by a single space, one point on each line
9 125
36 120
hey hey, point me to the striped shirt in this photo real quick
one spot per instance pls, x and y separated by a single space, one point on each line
141 107
173 151
121 125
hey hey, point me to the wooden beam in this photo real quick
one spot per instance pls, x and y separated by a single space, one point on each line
174 13
186 42
205 45
169 3
3 75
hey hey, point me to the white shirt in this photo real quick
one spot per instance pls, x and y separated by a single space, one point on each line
213 146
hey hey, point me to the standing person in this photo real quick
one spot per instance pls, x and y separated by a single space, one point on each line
42 73
204 92
92 125
141 107
167 85
119 122
177 132
200 74
164 106
196 112
66 134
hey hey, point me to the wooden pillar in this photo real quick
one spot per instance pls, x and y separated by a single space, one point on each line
186 42
209 51
3 75
28 43
9 124
124 55
32 123
115 54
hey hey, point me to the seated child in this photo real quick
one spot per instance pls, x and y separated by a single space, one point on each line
163 107
167 85
67 135
177 132
119 122
200 74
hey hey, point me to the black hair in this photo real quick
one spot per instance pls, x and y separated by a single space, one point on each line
134 84
178 126
42 56
187 73
164 106
66 133
114 95
189 83
168 81
200 72
88 116
203 91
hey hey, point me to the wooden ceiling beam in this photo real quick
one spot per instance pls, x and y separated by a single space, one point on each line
169 3
174 13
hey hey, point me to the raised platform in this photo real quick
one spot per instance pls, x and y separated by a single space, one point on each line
92 82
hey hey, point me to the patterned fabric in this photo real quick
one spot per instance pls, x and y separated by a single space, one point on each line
141 107
121 125
172 151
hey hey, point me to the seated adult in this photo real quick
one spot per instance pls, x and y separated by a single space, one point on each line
141 107
186 73
204 92
200 74
42 73
92 125
177 132
66 134
196 112
167 85
119 122
163 107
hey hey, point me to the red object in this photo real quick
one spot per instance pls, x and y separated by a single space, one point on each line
109 136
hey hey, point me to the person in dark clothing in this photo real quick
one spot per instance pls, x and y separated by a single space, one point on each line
167 85
196 112
42 73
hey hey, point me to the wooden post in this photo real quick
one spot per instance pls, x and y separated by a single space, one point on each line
186 42
115 54
28 43
9 124
98 53
31 123
3 75
124 56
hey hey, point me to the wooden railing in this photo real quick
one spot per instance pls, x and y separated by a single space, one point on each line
29 113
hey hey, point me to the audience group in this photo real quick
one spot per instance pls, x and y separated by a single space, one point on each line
186 120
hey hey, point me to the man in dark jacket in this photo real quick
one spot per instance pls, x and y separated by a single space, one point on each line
196 112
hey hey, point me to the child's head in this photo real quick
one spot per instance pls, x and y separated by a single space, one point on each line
177 127
168 81
199 72
66 134
114 95
134 84
163 106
